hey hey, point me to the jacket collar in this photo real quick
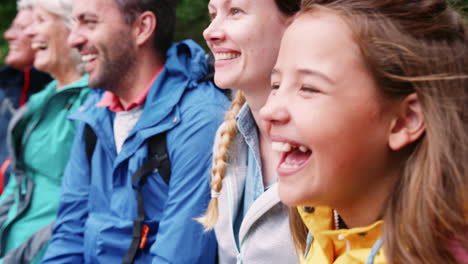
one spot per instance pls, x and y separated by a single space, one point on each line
335 243
248 134
264 203
185 65
320 219
248 130
112 101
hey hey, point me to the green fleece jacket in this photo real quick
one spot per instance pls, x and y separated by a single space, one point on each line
40 138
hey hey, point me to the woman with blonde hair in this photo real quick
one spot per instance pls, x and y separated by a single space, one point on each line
40 137
250 223
369 112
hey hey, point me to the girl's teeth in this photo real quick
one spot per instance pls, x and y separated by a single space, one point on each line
289 166
281 146
303 149
286 147
226 56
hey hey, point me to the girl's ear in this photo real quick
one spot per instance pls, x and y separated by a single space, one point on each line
408 124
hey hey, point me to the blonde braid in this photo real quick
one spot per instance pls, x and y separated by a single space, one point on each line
218 171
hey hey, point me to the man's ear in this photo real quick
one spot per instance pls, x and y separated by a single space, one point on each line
144 27
408 124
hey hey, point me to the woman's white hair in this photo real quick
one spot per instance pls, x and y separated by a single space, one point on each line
23 4
61 8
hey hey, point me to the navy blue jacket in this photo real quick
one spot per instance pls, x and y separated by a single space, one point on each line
11 87
98 203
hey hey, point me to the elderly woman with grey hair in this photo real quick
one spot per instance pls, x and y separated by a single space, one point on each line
40 137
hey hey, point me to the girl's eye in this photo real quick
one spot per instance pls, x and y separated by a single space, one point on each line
235 11
309 89
275 86
89 22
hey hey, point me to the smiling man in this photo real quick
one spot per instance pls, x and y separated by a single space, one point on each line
137 177
18 80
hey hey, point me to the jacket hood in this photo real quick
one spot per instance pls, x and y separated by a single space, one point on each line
185 66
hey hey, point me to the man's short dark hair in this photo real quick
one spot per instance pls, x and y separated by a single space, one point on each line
165 12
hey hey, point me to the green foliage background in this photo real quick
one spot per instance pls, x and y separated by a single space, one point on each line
192 18
7 13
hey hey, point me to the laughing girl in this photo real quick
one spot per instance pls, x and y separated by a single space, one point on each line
369 110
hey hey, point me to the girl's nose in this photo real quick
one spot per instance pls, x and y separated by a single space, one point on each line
275 111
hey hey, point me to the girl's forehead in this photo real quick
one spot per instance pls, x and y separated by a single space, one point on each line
227 3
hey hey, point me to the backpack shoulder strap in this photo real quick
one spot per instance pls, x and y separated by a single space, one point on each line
158 159
158 149
90 141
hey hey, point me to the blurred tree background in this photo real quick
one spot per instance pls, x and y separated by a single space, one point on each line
192 18
7 13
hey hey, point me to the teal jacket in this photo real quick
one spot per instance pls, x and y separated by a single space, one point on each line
40 138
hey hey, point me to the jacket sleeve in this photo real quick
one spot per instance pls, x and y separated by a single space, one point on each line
66 245
180 238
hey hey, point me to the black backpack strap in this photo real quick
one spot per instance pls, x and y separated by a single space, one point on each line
90 141
158 150
158 161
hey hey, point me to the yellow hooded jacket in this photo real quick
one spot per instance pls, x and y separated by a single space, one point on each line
343 246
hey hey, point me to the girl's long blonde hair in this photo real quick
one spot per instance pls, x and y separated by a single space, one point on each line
421 47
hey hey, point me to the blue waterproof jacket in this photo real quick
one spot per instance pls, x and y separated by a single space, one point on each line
98 203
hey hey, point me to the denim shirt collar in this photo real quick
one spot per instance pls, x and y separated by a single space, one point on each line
248 130
253 187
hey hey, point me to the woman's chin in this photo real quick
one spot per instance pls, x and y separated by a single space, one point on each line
42 65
